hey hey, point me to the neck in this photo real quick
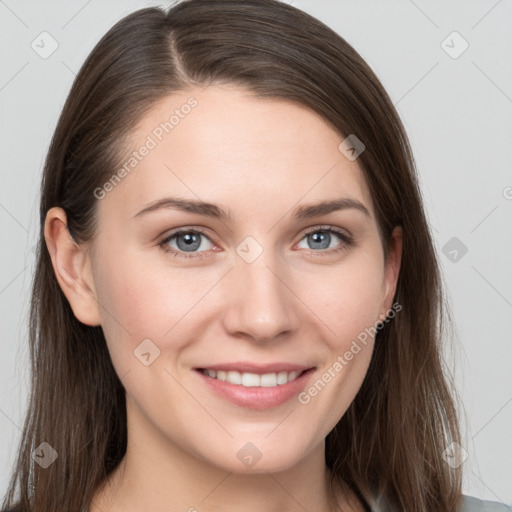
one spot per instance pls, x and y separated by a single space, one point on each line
158 475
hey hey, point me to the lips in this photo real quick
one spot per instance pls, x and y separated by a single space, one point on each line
256 386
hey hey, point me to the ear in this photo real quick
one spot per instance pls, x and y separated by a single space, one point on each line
72 267
392 268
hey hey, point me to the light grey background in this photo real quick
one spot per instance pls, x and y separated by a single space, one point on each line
458 114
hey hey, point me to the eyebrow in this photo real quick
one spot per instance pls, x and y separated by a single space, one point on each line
306 211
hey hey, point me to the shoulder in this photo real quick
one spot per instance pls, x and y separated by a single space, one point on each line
470 504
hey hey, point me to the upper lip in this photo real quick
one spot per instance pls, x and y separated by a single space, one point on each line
261 369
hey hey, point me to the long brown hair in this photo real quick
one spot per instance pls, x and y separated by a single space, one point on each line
391 439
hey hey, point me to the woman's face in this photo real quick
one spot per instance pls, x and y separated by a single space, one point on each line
256 283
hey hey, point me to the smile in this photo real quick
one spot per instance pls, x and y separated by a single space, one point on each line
256 386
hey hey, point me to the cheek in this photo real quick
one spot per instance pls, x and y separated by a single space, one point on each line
347 299
137 295
140 300
150 298
349 309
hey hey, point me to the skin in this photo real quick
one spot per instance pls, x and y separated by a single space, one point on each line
259 159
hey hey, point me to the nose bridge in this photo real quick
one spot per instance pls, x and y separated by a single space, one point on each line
259 302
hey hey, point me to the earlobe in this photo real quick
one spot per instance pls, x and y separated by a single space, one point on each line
72 268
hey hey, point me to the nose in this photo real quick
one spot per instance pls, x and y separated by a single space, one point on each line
260 304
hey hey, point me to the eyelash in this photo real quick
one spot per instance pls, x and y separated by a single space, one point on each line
347 242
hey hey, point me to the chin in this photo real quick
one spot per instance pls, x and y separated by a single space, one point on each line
259 456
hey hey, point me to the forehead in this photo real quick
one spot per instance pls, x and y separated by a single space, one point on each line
223 145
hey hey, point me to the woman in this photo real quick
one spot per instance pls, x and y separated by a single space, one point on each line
237 303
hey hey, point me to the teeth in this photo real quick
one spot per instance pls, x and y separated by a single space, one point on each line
234 377
282 378
251 380
268 380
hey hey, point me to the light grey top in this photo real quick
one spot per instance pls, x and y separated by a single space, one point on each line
469 504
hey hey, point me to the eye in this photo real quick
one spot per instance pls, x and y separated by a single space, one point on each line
183 241
320 238
192 243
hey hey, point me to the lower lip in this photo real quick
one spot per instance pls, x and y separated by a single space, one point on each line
257 397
